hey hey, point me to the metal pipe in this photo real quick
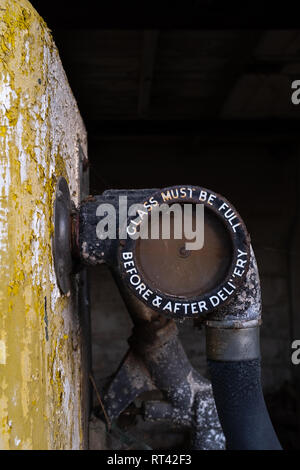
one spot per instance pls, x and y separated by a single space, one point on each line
233 355
230 307
189 396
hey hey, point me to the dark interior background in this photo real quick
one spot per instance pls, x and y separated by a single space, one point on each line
201 96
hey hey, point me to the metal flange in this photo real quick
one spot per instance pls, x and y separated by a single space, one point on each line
61 242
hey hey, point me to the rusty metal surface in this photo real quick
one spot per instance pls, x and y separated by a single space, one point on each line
130 381
172 281
232 344
157 360
232 332
173 270
245 305
92 250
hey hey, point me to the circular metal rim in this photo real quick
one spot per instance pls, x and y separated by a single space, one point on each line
62 248
240 240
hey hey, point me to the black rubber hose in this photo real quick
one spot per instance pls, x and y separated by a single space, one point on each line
241 406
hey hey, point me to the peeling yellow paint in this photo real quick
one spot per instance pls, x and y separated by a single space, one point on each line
40 370
2 352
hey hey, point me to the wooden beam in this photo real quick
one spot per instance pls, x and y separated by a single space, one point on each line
235 68
265 130
154 14
150 39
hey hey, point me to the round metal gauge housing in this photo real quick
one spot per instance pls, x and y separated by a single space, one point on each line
177 281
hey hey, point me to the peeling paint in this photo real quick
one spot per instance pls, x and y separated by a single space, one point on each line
40 126
2 352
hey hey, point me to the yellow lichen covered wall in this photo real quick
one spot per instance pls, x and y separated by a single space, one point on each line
40 127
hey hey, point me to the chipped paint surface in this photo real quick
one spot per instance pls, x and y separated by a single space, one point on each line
40 126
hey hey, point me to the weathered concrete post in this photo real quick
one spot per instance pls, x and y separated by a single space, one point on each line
41 386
